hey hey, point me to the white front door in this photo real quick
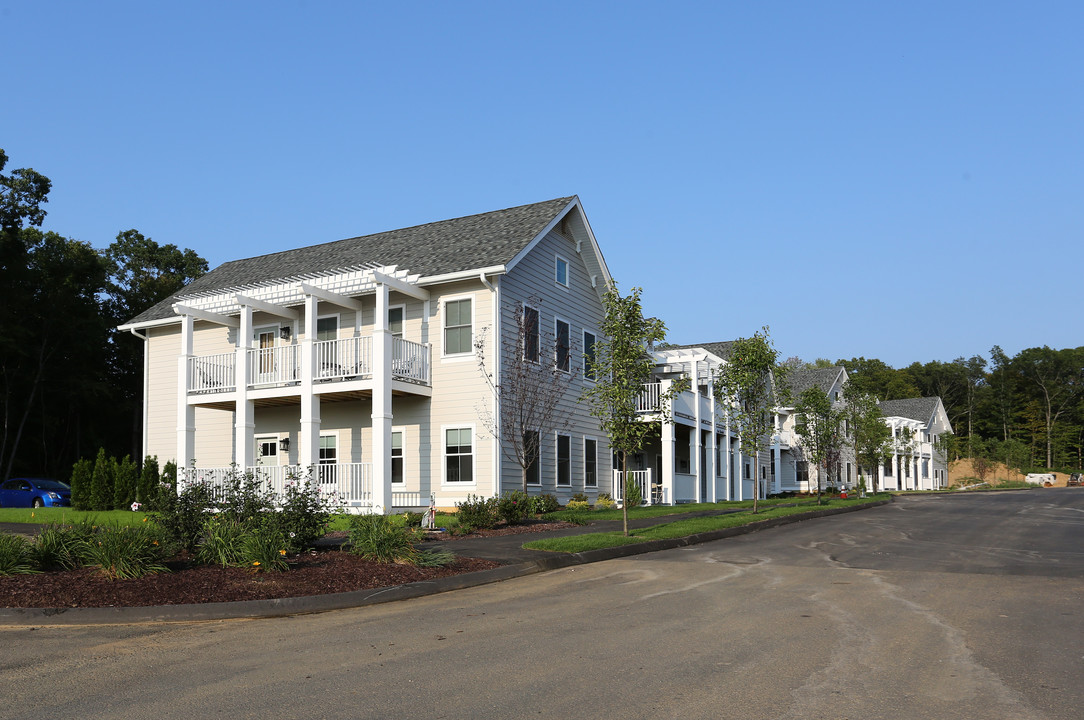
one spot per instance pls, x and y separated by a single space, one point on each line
267 451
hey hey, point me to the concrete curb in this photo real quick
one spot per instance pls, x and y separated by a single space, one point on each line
248 609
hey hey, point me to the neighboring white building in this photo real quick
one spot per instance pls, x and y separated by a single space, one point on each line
918 461
796 473
355 359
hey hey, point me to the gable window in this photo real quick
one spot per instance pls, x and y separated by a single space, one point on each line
397 456
561 271
530 453
590 462
457 327
588 355
458 455
564 461
563 356
530 334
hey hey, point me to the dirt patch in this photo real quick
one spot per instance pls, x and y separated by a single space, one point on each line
997 474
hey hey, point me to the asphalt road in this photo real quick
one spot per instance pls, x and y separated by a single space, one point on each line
932 607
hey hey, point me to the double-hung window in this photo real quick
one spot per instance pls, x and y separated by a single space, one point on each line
397 456
329 457
458 455
564 461
530 334
590 462
531 451
561 271
562 349
589 355
457 327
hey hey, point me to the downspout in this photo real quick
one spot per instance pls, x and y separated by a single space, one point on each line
494 287
146 385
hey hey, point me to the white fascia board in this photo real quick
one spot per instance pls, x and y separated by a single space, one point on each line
399 286
269 308
331 297
607 278
210 317
462 275
161 322
538 238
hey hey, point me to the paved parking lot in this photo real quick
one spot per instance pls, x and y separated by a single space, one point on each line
932 607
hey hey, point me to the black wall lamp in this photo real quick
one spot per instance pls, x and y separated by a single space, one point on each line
284 332
284 444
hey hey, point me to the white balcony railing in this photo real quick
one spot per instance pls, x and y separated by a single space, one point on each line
274 365
648 401
212 373
345 359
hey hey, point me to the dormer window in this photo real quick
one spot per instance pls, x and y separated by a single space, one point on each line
561 271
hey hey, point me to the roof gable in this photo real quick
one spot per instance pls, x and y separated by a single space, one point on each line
488 241
920 409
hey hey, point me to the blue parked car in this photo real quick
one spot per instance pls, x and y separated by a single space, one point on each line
35 492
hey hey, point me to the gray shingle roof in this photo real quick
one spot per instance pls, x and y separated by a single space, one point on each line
719 349
439 248
802 380
920 409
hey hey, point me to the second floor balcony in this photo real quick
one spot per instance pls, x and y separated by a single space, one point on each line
333 360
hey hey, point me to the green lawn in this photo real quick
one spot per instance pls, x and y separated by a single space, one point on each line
650 511
686 527
67 516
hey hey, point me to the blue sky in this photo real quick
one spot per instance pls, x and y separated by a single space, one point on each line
894 180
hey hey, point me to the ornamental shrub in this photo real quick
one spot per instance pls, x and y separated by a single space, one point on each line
514 507
542 504
412 519
579 497
181 515
477 513
578 506
263 549
124 552
243 499
605 502
381 539
633 496
60 547
82 472
125 480
16 555
222 542
147 489
101 482
303 514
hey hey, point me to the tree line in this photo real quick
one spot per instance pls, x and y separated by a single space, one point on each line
1026 410
70 382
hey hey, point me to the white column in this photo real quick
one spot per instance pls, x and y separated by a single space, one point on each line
728 448
308 441
713 447
694 451
186 414
381 404
668 440
244 426
777 456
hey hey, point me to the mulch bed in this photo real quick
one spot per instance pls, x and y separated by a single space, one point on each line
312 573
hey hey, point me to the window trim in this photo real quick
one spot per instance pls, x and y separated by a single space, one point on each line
556 334
557 260
557 460
402 455
593 377
460 356
586 439
444 482
402 306
537 461
537 335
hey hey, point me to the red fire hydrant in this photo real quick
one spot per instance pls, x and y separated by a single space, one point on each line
843 494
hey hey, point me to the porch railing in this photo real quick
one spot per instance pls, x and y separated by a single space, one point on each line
348 483
650 494
343 359
274 365
212 373
648 400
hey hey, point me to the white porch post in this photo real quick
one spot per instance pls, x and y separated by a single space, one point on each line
728 447
186 414
382 415
713 448
309 439
777 456
245 417
696 439
668 440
